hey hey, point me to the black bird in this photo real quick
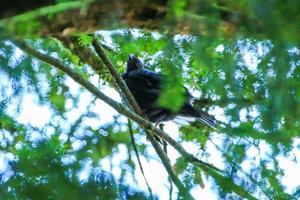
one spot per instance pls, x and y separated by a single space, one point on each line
145 86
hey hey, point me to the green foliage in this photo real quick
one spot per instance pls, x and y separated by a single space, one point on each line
195 134
85 40
239 151
245 65
180 165
178 8
40 174
247 96
173 104
198 178
58 100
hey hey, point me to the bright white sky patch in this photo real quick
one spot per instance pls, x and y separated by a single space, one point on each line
243 115
220 48
206 192
33 113
291 168
250 61
3 162
218 113
72 85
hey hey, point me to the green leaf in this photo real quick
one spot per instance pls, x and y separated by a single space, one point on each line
192 133
198 178
58 100
172 98
180 165
85 39
239 152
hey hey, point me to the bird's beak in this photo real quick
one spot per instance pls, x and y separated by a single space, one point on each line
131 57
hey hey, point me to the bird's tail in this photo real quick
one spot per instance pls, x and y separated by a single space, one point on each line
200 116
207 119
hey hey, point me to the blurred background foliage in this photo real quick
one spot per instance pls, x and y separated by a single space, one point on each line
240 59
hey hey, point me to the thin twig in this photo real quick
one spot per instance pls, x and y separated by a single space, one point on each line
138 158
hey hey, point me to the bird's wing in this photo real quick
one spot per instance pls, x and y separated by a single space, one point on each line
151 80
144 85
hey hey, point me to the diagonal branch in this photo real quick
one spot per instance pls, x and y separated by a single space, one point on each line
213 171
120 82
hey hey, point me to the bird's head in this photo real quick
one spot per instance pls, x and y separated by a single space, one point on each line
133 63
